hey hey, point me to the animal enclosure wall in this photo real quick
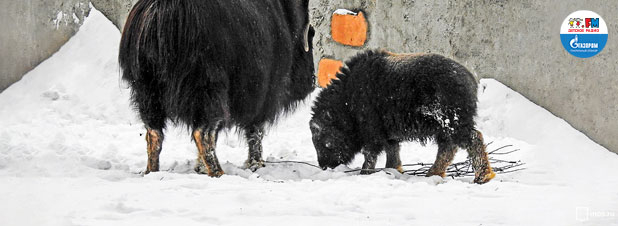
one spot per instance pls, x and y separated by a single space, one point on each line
33 30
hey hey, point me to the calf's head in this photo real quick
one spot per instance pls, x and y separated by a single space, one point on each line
333 145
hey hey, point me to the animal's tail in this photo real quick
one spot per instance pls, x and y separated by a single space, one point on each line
162 53
159 38
134 37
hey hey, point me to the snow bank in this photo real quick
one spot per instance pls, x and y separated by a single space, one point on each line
71 150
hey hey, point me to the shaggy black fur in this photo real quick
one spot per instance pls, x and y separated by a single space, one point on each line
217 63
382 99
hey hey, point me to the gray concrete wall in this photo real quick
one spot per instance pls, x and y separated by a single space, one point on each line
116 10
32 30
515 42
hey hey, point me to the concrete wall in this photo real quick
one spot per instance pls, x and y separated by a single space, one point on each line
32 30
116 10
515 42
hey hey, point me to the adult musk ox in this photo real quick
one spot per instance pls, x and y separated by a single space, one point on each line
382 99
212 64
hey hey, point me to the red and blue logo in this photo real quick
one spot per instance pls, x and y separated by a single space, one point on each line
583 34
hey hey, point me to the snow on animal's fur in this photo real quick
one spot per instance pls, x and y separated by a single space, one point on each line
382 99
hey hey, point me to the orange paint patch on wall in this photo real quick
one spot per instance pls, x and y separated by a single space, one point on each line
349 29
327 70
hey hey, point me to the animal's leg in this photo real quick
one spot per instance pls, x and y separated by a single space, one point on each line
152 114
371 157
154 141
446 153
206 141
392 156
254 135
480 163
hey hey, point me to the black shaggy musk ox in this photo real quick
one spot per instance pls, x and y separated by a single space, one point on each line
213 64
382 99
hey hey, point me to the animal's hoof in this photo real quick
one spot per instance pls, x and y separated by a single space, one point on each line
211 173
434 172
484 176
200 168
148 170
400 169
216 173
254 165
367 171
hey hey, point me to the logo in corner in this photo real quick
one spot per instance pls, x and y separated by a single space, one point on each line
583 33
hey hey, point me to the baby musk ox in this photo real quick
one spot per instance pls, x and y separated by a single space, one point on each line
382 99
213 64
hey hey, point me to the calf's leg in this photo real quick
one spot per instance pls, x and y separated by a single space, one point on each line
392 156
206 141
480 162
371 153
446 153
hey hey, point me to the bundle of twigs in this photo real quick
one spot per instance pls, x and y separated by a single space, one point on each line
464 169
458 169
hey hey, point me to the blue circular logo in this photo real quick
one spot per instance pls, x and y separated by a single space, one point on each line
583 33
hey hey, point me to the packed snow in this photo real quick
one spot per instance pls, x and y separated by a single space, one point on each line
344 12
72 151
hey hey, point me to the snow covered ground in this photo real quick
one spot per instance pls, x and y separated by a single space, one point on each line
72 149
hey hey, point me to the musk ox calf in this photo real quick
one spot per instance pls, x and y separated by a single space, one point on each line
212 64
382 99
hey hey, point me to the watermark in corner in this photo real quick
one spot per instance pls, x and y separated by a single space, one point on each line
584 213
